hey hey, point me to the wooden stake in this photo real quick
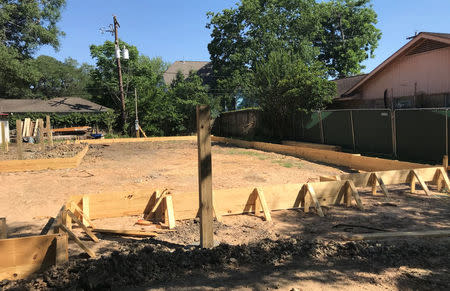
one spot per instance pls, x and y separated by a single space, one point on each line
205 176
49 130
412 181
85 216
421 182
86 230
3 228
77 240
444 176
19 139
48 226
355 194
313 195
170 215
382 185
40 123
260 203
62 249
85 210
4 140
445 162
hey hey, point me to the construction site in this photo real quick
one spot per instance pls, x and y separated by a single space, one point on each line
123 214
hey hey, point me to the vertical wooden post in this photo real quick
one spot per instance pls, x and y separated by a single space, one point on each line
85 205
445 162
205 176
19 139
4 140
3 228
41 133
49 130
62 254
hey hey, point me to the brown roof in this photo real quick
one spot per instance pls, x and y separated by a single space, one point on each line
428 38
55 105
203 69
344 84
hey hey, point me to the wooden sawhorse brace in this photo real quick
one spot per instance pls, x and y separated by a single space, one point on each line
441 179
258 202
347 191
162 209
374 178
414 177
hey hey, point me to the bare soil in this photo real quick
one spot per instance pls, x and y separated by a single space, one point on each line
296 250
34 151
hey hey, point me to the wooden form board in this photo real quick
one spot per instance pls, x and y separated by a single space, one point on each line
226 201
43 164
312 145
20 257
337 158
388 177
397 234
145 139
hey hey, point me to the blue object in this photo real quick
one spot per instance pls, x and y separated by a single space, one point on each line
96 135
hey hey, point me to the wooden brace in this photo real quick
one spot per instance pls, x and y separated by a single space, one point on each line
260 204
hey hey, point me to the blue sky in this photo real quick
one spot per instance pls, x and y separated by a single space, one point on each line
175 30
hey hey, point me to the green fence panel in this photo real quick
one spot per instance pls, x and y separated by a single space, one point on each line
311 127
337 128
373 131
421 134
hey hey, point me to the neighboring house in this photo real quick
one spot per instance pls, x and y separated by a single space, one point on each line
203 69
417 75
62 105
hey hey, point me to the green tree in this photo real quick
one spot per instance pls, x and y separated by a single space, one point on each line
247 34
285 82
24 27
61 78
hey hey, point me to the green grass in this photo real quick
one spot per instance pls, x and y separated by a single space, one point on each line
248 153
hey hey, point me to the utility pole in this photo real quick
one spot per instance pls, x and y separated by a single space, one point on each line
136 121
119 69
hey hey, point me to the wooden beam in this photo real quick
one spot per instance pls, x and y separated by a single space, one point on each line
82 214
19 139
20 257
313 195
77 240
381 235
342 159
85 212
355 194
40 124
132 140
4 139
126 232
261 200
445 162
205 176
170 214
49 130
48 226
421 182
86 230
3 228
445 178
382 185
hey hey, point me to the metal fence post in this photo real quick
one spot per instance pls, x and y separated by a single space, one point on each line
353 131
394 133
322 138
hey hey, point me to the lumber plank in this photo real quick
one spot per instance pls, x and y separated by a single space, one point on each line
4 138
312 193
85 205
80 223
170 212
445 178
205 176
382 185
49 130
128 140
382 235
82 214
355 194
126 232
263 203
23 256
19 139
421 182
3 228
312 145
48 226
343 159
77 241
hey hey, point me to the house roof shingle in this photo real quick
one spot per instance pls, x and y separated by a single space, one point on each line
202 68
55 105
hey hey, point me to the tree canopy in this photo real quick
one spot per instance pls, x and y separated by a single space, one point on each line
339 33
24 27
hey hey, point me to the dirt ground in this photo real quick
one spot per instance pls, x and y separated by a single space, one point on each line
296 251
34 151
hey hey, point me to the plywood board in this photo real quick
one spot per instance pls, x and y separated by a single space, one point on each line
20 257
331 157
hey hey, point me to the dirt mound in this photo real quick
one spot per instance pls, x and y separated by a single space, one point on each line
151 261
